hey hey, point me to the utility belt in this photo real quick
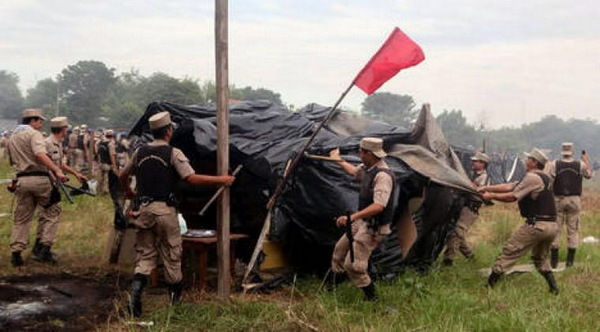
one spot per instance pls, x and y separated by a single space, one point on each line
170 200
33 173
373 224
533 220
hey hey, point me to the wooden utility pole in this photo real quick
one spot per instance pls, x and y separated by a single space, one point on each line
222 84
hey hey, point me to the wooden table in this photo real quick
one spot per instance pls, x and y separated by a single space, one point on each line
203 245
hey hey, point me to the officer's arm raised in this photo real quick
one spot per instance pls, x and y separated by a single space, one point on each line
209 180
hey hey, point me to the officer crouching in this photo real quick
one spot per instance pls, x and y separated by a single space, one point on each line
157 167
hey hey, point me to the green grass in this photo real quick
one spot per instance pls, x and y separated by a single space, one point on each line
447 299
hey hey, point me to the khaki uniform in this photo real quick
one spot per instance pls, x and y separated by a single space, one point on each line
568 209
536 237
50 217
105 169
158 231
72 147
365 238
458 239
33 190
81 154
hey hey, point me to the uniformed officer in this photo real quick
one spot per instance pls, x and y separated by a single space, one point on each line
469 213
157 168
568 175
72 147
28 154
107 157
50 216
81 148
371 223
536 204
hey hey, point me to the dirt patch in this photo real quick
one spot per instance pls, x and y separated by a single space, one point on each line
54 303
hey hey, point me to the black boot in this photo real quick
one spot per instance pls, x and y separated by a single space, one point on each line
370 293
571 256
549 276
493 279
175 292
16 259
36 247
45 255
135 299
554 257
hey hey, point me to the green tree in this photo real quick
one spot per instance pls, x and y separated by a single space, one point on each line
249 93
392 108
43 96
85 86
456 129
162 87
11 99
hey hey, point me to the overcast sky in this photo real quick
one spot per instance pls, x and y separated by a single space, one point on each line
501 62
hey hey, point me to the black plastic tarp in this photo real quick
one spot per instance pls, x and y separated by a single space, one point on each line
263 138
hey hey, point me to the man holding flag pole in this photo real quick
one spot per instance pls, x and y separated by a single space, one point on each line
397 52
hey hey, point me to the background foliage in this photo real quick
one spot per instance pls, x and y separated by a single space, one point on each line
92 92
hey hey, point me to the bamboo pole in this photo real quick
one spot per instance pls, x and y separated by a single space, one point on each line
222 85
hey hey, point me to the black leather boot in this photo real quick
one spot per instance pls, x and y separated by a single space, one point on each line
370 293
16 260
135 299
36 247
175 291
45 255
549 276
554 257
571 256
493 279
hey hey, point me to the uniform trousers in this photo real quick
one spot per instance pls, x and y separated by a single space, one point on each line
536 237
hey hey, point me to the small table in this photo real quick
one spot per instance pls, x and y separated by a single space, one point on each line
203 245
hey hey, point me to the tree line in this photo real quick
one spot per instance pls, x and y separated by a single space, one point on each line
91 92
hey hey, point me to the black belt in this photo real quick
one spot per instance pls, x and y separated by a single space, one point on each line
532 221
33 173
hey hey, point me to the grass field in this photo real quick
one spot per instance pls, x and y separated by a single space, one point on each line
447 299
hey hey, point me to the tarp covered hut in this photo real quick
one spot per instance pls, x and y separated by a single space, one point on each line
264 137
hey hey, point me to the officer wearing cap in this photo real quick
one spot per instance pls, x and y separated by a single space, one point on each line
371 223
157 167
72 146
536 204
568 174
50 216
469 213
81 148
107 156
28 155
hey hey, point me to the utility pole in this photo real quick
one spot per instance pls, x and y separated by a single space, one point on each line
223 208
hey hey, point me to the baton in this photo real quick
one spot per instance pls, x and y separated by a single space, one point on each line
218 193
61 186
348 231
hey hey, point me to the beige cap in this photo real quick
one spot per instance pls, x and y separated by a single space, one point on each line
480 156
33 112
83 127
159 120
566 149
374 145
109 132
59 122
538 155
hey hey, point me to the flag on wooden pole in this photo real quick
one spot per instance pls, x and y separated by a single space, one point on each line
398 52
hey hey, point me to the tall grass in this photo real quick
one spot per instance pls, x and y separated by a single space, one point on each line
447 299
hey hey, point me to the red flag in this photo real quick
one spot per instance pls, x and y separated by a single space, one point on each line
398 52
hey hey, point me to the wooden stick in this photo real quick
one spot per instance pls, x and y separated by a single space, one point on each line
319 157
218 193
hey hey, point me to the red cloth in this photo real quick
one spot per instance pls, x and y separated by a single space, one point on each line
398 52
